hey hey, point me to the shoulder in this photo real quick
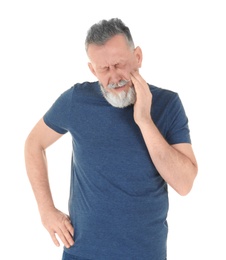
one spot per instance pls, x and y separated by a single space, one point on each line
82 91
162 92
162 96
86 88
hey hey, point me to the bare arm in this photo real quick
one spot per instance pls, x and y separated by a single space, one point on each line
54 221
175 163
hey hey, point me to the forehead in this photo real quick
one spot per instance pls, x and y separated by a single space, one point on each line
113 51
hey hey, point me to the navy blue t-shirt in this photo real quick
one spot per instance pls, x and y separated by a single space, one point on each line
118 202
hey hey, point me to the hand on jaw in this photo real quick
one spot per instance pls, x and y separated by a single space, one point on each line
142 106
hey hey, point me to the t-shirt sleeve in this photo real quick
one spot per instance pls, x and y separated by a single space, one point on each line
57 117
178 129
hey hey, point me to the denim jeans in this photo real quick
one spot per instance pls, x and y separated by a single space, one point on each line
67 256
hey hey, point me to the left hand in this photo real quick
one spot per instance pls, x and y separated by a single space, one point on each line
142 106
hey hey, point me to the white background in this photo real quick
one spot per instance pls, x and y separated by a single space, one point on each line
42 54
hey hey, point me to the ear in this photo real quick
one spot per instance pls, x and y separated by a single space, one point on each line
91 68
138 56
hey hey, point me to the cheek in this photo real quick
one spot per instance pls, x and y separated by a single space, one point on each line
132 65
129 69
135 64
103 79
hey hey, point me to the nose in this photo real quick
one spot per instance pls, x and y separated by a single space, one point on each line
115 76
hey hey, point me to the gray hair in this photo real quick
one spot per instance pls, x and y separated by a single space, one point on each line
104 30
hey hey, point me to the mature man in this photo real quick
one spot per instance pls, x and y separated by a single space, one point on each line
130 140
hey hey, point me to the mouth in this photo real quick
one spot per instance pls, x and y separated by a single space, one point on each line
123 83
120 86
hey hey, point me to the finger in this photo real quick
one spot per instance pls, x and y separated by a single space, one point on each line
138 78
54 239
69 227
136 83
64 237
140 84
68 232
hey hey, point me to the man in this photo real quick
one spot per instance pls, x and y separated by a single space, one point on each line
130 140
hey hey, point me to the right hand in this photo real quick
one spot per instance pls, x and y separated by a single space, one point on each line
56 222
142 106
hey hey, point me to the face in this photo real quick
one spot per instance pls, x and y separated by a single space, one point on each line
112 64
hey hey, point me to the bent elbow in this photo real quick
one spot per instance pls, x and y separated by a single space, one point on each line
187 187
184 192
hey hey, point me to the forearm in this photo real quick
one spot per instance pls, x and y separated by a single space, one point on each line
37 171
175 167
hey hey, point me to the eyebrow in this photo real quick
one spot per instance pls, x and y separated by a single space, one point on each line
121 62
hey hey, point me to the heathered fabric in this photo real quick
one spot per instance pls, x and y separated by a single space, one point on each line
118 201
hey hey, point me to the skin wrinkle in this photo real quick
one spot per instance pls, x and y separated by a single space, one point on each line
112 61
113 66
123 98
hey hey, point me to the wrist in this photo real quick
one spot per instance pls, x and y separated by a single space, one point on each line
45 207
145 123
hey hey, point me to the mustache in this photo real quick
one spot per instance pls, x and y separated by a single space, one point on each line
121 83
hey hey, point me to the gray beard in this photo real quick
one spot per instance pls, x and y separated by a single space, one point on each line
120 100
